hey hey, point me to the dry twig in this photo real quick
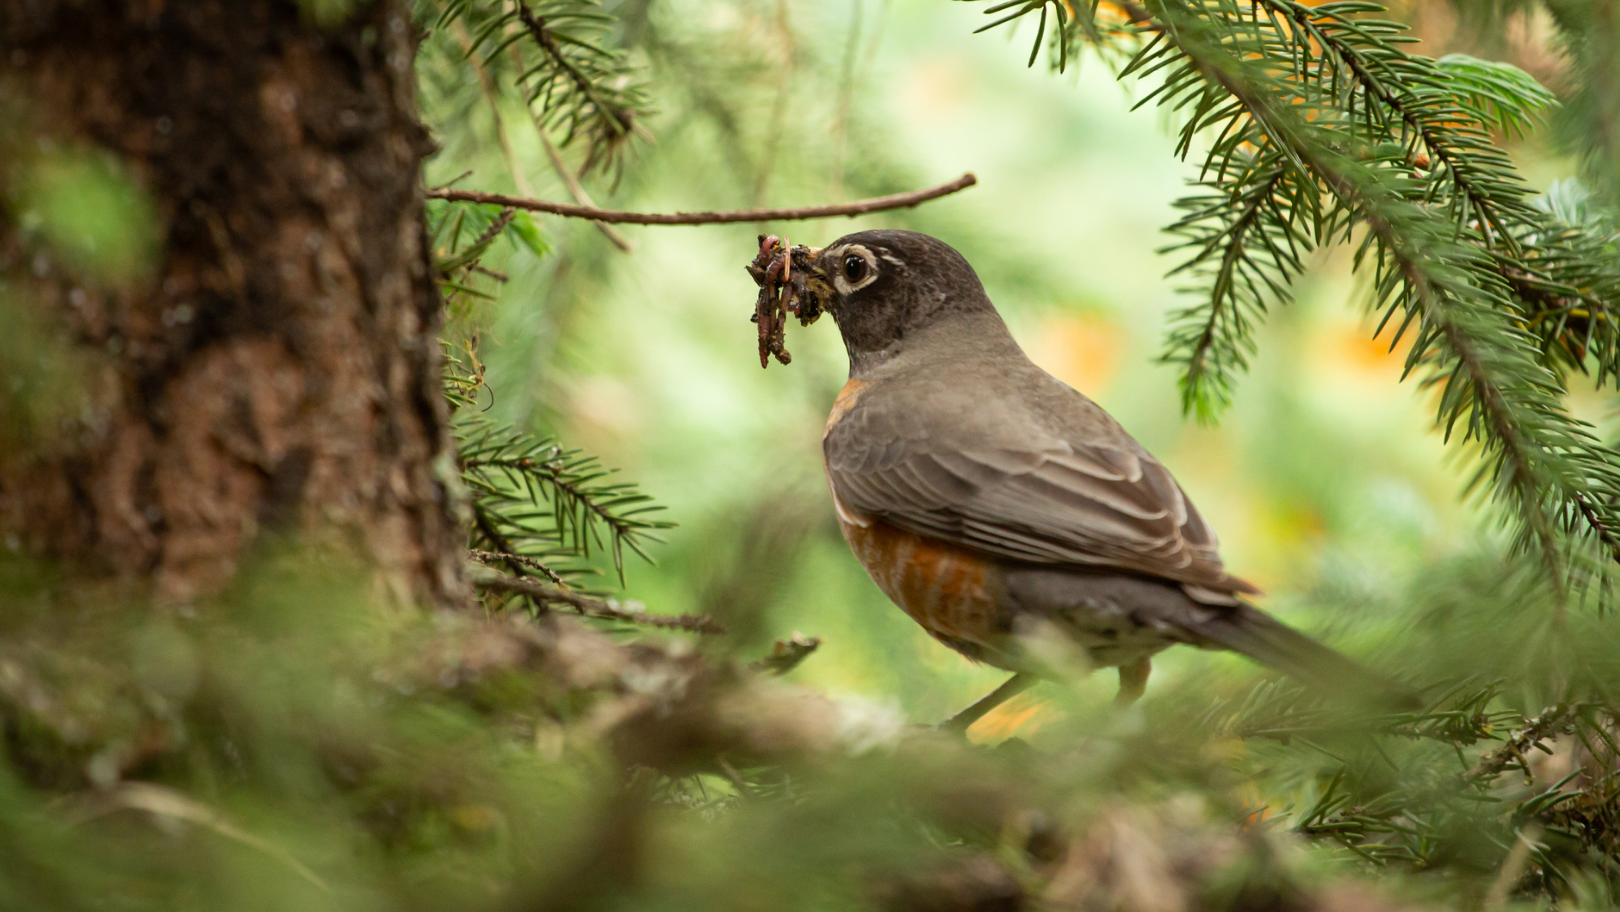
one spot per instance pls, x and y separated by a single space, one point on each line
858 207
577 191
170 805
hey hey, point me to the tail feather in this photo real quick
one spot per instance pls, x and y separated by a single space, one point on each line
1265 639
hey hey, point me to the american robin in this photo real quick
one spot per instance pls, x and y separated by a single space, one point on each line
993 503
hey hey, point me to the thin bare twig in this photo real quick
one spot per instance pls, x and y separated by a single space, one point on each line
735 777
493 97
858 207
1512 868
171 805
595 607
577 191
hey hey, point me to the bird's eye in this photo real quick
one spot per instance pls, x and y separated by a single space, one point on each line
854 268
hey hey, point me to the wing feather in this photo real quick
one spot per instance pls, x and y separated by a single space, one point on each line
1035 496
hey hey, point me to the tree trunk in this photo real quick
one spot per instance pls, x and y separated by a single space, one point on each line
274 366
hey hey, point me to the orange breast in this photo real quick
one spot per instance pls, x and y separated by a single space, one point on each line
844 402
941 586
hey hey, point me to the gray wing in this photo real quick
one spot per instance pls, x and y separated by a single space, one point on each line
1070 489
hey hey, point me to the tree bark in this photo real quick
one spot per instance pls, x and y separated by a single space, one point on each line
276 368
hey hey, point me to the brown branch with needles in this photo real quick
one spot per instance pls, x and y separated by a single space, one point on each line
595 607
1553 721
850 209
516 561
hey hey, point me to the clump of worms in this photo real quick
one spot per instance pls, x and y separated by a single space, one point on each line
782 272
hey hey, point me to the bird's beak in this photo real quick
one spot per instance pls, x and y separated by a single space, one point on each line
812 256
813 293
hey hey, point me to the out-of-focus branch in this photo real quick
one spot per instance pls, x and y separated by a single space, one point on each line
787 654
492 97
595 607
858 207
577 191
1554 720
512 560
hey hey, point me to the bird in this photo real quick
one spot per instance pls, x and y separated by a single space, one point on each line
998 506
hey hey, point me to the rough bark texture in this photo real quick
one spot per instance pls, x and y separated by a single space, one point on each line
279 369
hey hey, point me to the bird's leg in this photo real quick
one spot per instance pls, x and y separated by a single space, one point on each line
1014 686
1133 681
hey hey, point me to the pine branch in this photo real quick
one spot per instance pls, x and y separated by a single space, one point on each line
615 115
583 88
1571 283
517 562
1214 339
1485 185
597 608
1441 283
1324 128
543 500
468 257
1554 720
456 263
1382 793
463 374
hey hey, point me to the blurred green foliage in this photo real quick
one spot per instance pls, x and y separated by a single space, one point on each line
79 208
88 212
1324 479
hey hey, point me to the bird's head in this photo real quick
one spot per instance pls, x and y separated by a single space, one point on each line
883 287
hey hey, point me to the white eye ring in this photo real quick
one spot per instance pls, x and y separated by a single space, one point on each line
842 282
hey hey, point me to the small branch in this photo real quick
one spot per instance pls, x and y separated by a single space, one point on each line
493 97
493 557
1552 721
1599 528
542 36
552 474
1225 287
576 190
786 654
858 207
1513 868
495 228
735 777
517 564
595 607
1445 153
